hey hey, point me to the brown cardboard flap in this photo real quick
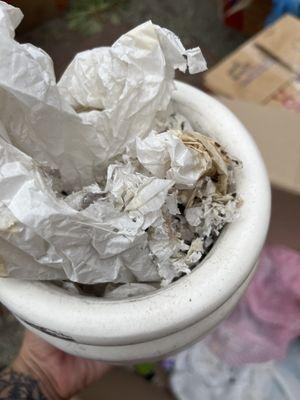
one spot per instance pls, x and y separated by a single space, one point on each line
264 70
248 74
287 96
277 134
282 41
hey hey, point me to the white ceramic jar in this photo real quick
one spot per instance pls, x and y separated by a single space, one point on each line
162 322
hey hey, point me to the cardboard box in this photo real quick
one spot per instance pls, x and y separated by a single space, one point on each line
277 134
248 74
255 73
265 69
282 41
260 82
287 96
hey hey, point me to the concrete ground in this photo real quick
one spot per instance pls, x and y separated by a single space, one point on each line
11 333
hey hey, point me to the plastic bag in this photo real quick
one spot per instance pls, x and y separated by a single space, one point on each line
268 316
199 374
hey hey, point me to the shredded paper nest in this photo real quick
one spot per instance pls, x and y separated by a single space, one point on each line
100 182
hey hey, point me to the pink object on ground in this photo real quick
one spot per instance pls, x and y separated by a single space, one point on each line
268 317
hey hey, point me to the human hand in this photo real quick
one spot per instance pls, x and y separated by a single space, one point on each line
60 375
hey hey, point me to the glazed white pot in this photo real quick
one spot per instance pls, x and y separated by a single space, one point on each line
162 322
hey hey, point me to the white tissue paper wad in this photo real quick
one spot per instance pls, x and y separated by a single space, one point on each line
105 100
119 90
165 155
37 119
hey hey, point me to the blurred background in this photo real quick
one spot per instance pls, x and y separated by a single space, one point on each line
63 28
253 40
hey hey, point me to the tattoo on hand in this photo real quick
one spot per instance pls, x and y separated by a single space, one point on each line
15 386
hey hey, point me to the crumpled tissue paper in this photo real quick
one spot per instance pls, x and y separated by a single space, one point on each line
100 183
